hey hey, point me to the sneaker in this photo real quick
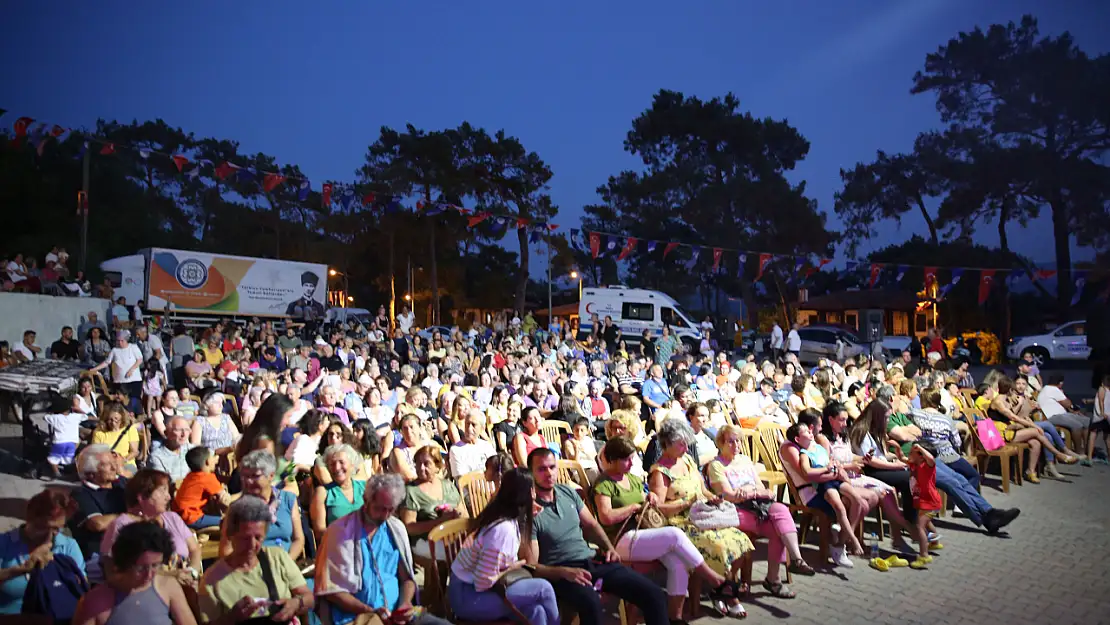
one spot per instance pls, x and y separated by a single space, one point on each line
840 557
935 546
932 537
879 564
1051 471
894 562
1086 462
921 562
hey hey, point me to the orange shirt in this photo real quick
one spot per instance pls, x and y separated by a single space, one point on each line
193 494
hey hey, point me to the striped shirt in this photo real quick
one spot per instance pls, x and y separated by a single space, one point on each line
491 553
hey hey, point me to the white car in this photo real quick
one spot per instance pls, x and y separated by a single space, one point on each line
1067 342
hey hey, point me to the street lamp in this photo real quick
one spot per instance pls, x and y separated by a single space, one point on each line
346 287
574 275
408 297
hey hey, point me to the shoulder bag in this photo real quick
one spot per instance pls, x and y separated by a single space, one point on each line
272 592
706 516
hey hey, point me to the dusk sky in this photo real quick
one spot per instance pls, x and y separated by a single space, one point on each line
311 83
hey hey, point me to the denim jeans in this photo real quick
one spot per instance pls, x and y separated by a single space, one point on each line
533 597
1054 436
206 520
966 497
964 468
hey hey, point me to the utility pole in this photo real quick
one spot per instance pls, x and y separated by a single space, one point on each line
84 208
549 319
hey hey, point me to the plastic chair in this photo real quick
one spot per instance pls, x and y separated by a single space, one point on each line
554 430
449 538
477 490
1004 454
572 474
770 437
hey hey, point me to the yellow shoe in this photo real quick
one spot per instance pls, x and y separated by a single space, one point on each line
894 562
880 564
921 562
1031 476
935 546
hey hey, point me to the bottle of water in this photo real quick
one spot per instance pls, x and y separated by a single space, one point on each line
875 549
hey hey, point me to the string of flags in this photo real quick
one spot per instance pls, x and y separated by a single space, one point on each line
622 247
600 244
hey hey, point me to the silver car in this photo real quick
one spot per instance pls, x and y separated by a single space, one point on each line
820 342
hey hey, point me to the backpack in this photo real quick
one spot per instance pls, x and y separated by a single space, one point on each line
55 589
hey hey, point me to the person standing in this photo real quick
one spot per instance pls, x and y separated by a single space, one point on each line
776 341
125 360
794 341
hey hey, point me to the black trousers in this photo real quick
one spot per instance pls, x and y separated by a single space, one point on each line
900 480
616 579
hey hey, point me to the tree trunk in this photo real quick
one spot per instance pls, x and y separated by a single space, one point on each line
522 273
1061 238
435 264
928 221
1003 217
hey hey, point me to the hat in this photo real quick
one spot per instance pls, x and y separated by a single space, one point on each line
365 379
309 278
320 341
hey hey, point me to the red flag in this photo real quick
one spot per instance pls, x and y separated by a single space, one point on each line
930 276
716 258
629 247
763 260
876 269
552 227
223 170
109 148
327 193
986 278
821 263
368 199
1044 274
477 219
180 161
21 126
419 205
57 131
670 248
595 243
271 181
522 222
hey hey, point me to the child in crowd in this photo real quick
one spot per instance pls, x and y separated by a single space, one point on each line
496 466
581 448
926 497
65 428
986 394
200 493
154 384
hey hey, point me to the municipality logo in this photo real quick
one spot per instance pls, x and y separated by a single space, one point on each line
192 274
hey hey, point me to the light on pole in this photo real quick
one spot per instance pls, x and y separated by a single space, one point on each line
574 275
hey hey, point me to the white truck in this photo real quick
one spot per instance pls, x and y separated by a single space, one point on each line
636 310
182 281
1066 342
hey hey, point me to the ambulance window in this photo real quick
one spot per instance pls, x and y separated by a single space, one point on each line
672 319
637 312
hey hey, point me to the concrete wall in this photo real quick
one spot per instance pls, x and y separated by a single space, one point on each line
45 314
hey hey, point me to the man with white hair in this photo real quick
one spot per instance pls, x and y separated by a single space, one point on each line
470 453
99 499
353 403
169 457
350 584
126 361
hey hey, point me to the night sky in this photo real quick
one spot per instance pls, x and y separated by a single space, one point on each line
312 86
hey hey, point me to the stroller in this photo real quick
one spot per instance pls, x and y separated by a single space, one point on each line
35 440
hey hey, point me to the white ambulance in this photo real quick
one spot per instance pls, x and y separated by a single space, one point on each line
635 310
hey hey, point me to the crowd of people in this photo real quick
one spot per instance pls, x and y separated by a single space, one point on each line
314 464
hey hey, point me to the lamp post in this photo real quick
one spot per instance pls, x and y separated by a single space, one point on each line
346 286
574 275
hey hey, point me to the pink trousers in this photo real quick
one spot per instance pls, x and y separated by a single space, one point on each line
773 529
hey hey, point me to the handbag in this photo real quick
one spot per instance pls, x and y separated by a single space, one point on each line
706 516
272 591
988 435
759 506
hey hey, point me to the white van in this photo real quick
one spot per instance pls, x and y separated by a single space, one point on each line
635 310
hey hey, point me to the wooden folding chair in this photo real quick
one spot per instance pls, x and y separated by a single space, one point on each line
769 438
572 474
554 430
449 538
477 490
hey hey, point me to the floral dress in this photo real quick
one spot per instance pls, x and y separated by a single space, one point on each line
721 548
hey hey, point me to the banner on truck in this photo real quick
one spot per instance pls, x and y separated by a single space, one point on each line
243 286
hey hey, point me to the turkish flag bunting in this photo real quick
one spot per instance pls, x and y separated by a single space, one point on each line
109 148
629 247
876 269
271 181
986 279
368 199
670 248
763 260
930 276
716 258
1044 274
595 244
223 170
522 222
180 161
57 131
326 191
814 269
479 218
21 126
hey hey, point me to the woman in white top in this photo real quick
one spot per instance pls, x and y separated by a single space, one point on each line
302 453
494 552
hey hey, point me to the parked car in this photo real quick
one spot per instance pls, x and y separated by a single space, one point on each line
426 333
1067 342
820 342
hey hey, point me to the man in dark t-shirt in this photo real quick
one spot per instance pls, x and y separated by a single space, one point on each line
65 348
99 499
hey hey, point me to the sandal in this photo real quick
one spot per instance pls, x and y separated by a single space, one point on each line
800 567
743 589
778 589
726 591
